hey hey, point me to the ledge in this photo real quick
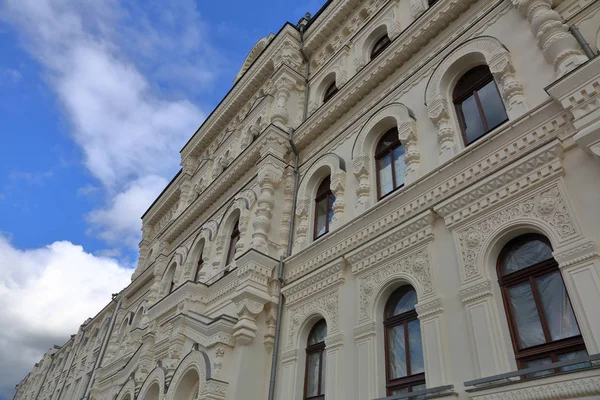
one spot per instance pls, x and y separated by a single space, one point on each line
581 382
440 392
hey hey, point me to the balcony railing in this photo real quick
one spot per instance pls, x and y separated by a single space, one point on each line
538 372
425 394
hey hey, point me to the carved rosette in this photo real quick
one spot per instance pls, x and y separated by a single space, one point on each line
269 178
547 206
559 47
416 266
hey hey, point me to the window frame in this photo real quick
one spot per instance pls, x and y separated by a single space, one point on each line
375 50
459 98
379 155
321 195
551 349
330 91
314 349
235 233
390 322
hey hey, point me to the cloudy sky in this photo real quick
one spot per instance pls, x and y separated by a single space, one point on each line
96 100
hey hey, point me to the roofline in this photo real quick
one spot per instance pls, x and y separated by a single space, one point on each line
163 192
314 18
236 83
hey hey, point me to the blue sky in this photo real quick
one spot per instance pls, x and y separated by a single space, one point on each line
96 100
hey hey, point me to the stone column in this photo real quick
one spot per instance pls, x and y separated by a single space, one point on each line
407 134
439 115
432 336
366 370
511 89
270 172
579 263
491 358
558 45
334 362
363 189
279 114
338 184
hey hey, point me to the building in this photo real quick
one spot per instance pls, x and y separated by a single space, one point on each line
395 196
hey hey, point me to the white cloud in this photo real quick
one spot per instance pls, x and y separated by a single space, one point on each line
120 222
35 288
96 55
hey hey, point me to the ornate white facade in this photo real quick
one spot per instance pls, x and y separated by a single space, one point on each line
191 325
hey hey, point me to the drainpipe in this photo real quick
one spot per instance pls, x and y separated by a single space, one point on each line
103 347
275 356
306 74
582 42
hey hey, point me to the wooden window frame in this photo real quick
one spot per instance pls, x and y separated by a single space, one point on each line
551 349
380 45
331 91
321 195
409 381
235 233
314 349
459 98
379 155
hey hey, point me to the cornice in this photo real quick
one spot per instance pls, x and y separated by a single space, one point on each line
513 142
409 42
206 334
539 166
317 282
416 231
255 76
164 202
327 23
224 182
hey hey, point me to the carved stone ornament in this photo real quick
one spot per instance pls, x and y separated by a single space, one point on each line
364 146
498 59
553 37
338 184
547 206
414 268
270 174
326 305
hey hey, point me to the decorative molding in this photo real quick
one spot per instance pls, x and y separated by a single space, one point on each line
326 304
430 308
310 285
476 291
576 253
547 206
414 268
364 330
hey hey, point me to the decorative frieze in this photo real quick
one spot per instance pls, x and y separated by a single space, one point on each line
309 285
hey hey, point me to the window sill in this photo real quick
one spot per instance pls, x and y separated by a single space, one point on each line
440 392
568 384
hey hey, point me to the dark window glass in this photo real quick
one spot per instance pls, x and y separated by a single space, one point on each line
541 320
323 208
391 165
405 368
314 385
380 46
478 104
234 239
432 2
199 267
331 90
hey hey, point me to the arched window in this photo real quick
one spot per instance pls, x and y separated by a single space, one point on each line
478 104
331 90
323 208
391 168
199 266
380 46
233 240
542 324
405 369
170 277
314 382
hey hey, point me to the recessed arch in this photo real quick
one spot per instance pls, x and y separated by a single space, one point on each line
482 50
127 391
156 378
190 375
329 164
